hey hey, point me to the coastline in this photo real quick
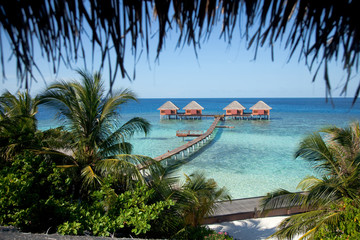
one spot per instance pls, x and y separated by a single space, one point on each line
249 229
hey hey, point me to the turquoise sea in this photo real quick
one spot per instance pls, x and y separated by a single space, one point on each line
251 159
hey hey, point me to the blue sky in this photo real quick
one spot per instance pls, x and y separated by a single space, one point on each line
220 71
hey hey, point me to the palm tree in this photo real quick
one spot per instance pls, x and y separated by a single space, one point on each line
334 153
197 198
18 124
18 127
99 144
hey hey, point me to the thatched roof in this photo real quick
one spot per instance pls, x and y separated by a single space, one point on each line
168 106
193 105
235 105
260 105
61 29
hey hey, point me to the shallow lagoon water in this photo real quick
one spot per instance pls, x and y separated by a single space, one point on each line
251 159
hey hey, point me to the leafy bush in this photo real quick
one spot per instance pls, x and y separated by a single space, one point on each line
200 233
218 236
347 225
108 213
33 194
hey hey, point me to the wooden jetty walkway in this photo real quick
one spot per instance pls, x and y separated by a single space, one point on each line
246 208
201 140
189 133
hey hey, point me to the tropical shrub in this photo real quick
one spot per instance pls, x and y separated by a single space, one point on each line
33 194
109 214
200 233
335 153
197 198
218 236
349 225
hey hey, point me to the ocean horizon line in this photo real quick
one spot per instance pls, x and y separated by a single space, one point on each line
329 99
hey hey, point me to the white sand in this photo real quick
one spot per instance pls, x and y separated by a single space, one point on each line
250 229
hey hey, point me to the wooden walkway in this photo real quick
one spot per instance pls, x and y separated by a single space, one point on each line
246 208
186 147
189 133
244 116
190 144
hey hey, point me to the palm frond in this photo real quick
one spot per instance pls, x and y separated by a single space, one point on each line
90 178
282 198
305 224
315 150
308 183
325 30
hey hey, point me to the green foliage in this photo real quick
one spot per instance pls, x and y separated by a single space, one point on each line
197 198
335 153
109 213
218 236
200 233
99 142
349 225
33 194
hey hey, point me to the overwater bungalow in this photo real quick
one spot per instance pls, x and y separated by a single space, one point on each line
261 110
234 109
168 109
193 109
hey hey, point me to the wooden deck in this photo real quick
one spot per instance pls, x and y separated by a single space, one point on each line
246 208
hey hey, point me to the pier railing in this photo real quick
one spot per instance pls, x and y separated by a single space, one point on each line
187 148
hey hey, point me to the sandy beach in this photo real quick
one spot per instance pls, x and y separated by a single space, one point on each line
250 229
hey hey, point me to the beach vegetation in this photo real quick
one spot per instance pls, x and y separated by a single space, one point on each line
17 123
335 154
33 194
18 127
197 198
218 236
81 178
98 143
109 214
201 233
347 227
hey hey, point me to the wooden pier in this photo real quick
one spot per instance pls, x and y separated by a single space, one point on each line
247 208
201 140
189 147
244 116
189 133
